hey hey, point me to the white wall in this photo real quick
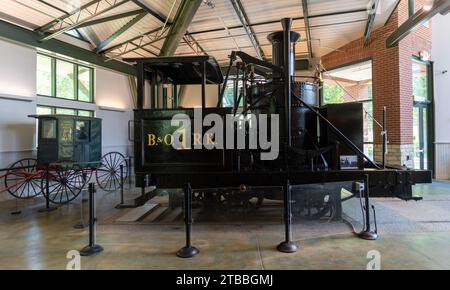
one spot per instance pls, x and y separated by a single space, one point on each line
113 90
17 80
441 58
191 96
18 100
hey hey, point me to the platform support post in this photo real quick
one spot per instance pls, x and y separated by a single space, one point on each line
367 233
188 251
288 246
47 208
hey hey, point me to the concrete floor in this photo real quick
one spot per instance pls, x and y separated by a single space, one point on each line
413 236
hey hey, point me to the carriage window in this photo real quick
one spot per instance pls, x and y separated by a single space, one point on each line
48 129
66 127
82 130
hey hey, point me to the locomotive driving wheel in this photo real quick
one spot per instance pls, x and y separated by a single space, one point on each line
233 201
64 184
108 174
24 182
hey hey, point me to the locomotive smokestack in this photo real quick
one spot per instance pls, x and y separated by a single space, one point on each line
278 47
288 70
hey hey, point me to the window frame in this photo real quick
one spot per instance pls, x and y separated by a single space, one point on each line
321 97
77 111
76 79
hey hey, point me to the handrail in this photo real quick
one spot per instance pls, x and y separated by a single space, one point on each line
338 133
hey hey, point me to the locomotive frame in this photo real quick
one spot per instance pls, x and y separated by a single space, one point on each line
380 179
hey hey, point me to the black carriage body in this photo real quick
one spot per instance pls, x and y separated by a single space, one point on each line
69 139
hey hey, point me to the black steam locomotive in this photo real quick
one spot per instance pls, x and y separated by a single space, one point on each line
320 147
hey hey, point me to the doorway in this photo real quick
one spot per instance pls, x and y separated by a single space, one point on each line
422 114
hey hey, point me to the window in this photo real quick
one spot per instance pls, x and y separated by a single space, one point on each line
350 84
47 110
44 75
82 130
85 113
420 81
44 110
228 98
84 84
63 79
48 129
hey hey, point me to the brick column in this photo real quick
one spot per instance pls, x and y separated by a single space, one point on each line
392 81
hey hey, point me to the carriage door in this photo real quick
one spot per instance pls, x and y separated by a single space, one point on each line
82 138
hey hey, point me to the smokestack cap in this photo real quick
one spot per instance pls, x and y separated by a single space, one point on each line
279 35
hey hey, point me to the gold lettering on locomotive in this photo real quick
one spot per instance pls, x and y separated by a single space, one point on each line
168 139
197 139
151 139
210 139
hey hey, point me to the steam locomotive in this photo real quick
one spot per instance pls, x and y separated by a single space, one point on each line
320 147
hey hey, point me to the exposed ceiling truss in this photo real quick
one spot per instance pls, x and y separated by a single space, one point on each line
193 44
149 11
307 27
47 2
243 18
111 18
81 15
127 37
371 20
421 16
119 32
144 41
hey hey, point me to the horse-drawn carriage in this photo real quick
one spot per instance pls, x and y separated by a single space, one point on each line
68 154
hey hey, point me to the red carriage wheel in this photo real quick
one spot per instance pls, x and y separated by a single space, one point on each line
65 184
22 180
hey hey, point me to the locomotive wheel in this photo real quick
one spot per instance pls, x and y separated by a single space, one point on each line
240 202
64 185
108 174
23 183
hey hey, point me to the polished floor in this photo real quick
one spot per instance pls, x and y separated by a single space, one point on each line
413 235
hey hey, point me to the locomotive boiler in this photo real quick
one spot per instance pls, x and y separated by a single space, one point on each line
320 147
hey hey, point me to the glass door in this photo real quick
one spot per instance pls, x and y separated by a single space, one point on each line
420 137
422 119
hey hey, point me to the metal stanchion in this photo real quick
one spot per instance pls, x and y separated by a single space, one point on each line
92 248
367 233
81 224
188 251
287 246
47 208
129 171
120 205
16 211
384 135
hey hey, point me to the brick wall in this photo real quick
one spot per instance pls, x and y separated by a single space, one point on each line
392 73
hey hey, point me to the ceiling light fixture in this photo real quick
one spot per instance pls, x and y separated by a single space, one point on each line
428 5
